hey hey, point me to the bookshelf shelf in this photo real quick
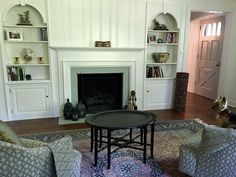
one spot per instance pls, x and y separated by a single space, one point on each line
161 63
23 26
27 65
36 81
43 42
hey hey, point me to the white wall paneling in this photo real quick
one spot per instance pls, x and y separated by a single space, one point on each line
82 22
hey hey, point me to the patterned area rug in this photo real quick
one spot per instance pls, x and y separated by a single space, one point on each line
128 162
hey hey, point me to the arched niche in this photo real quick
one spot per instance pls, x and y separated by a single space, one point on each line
166 19
12 15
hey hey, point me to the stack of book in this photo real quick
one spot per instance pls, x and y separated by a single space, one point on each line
154 71
16 73
170 38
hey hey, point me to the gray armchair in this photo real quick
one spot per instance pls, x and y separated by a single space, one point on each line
210 153
21 157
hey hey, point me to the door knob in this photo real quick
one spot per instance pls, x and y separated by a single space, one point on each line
218 64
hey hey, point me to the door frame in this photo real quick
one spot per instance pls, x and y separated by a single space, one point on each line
190 60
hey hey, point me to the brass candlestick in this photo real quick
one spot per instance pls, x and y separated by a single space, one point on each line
41 60
17 60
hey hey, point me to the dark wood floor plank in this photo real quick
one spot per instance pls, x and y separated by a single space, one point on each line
196 107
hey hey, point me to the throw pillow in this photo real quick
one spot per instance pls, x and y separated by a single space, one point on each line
8 135
214 139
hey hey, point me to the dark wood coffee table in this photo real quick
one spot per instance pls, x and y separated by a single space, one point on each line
121 119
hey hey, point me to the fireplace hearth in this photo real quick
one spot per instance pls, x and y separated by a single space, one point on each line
100 91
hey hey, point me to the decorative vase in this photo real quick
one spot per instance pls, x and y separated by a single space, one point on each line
81 109
68 110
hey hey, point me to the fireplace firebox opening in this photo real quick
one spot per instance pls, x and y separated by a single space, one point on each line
100 91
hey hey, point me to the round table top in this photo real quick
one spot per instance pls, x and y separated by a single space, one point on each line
120 119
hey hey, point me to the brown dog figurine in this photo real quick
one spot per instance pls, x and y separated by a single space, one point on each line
225 116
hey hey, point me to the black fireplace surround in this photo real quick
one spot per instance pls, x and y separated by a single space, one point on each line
100 91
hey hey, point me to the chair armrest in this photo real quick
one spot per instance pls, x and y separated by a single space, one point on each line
29 143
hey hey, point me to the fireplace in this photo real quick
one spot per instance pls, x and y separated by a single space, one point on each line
100 91
73 61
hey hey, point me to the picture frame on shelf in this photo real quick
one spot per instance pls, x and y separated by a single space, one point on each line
14 35
152 38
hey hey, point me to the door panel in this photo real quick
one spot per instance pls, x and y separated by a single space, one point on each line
204 48
214 50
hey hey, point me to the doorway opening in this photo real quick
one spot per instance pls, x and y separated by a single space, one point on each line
205 52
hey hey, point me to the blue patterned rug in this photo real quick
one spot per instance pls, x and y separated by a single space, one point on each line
124 163
128 162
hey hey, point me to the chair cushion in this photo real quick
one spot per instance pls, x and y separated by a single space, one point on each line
8 135
214 139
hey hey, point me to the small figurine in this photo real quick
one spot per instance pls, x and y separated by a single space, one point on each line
132 101
159 26
28 54
24 19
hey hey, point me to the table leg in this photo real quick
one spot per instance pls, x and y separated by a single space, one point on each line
108 148
144 144
152 139
100 138
130 134
141 136
92 139
96 147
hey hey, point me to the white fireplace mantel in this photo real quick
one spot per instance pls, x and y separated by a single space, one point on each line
68 57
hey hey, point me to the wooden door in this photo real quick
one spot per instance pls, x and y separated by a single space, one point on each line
209 56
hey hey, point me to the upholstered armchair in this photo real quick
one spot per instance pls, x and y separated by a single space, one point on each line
24 157
211 152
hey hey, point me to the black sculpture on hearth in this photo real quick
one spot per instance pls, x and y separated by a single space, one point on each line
68 110
81 109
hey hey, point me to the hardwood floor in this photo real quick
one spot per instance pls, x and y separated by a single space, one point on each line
196 107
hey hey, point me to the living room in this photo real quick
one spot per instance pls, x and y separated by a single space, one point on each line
72 29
